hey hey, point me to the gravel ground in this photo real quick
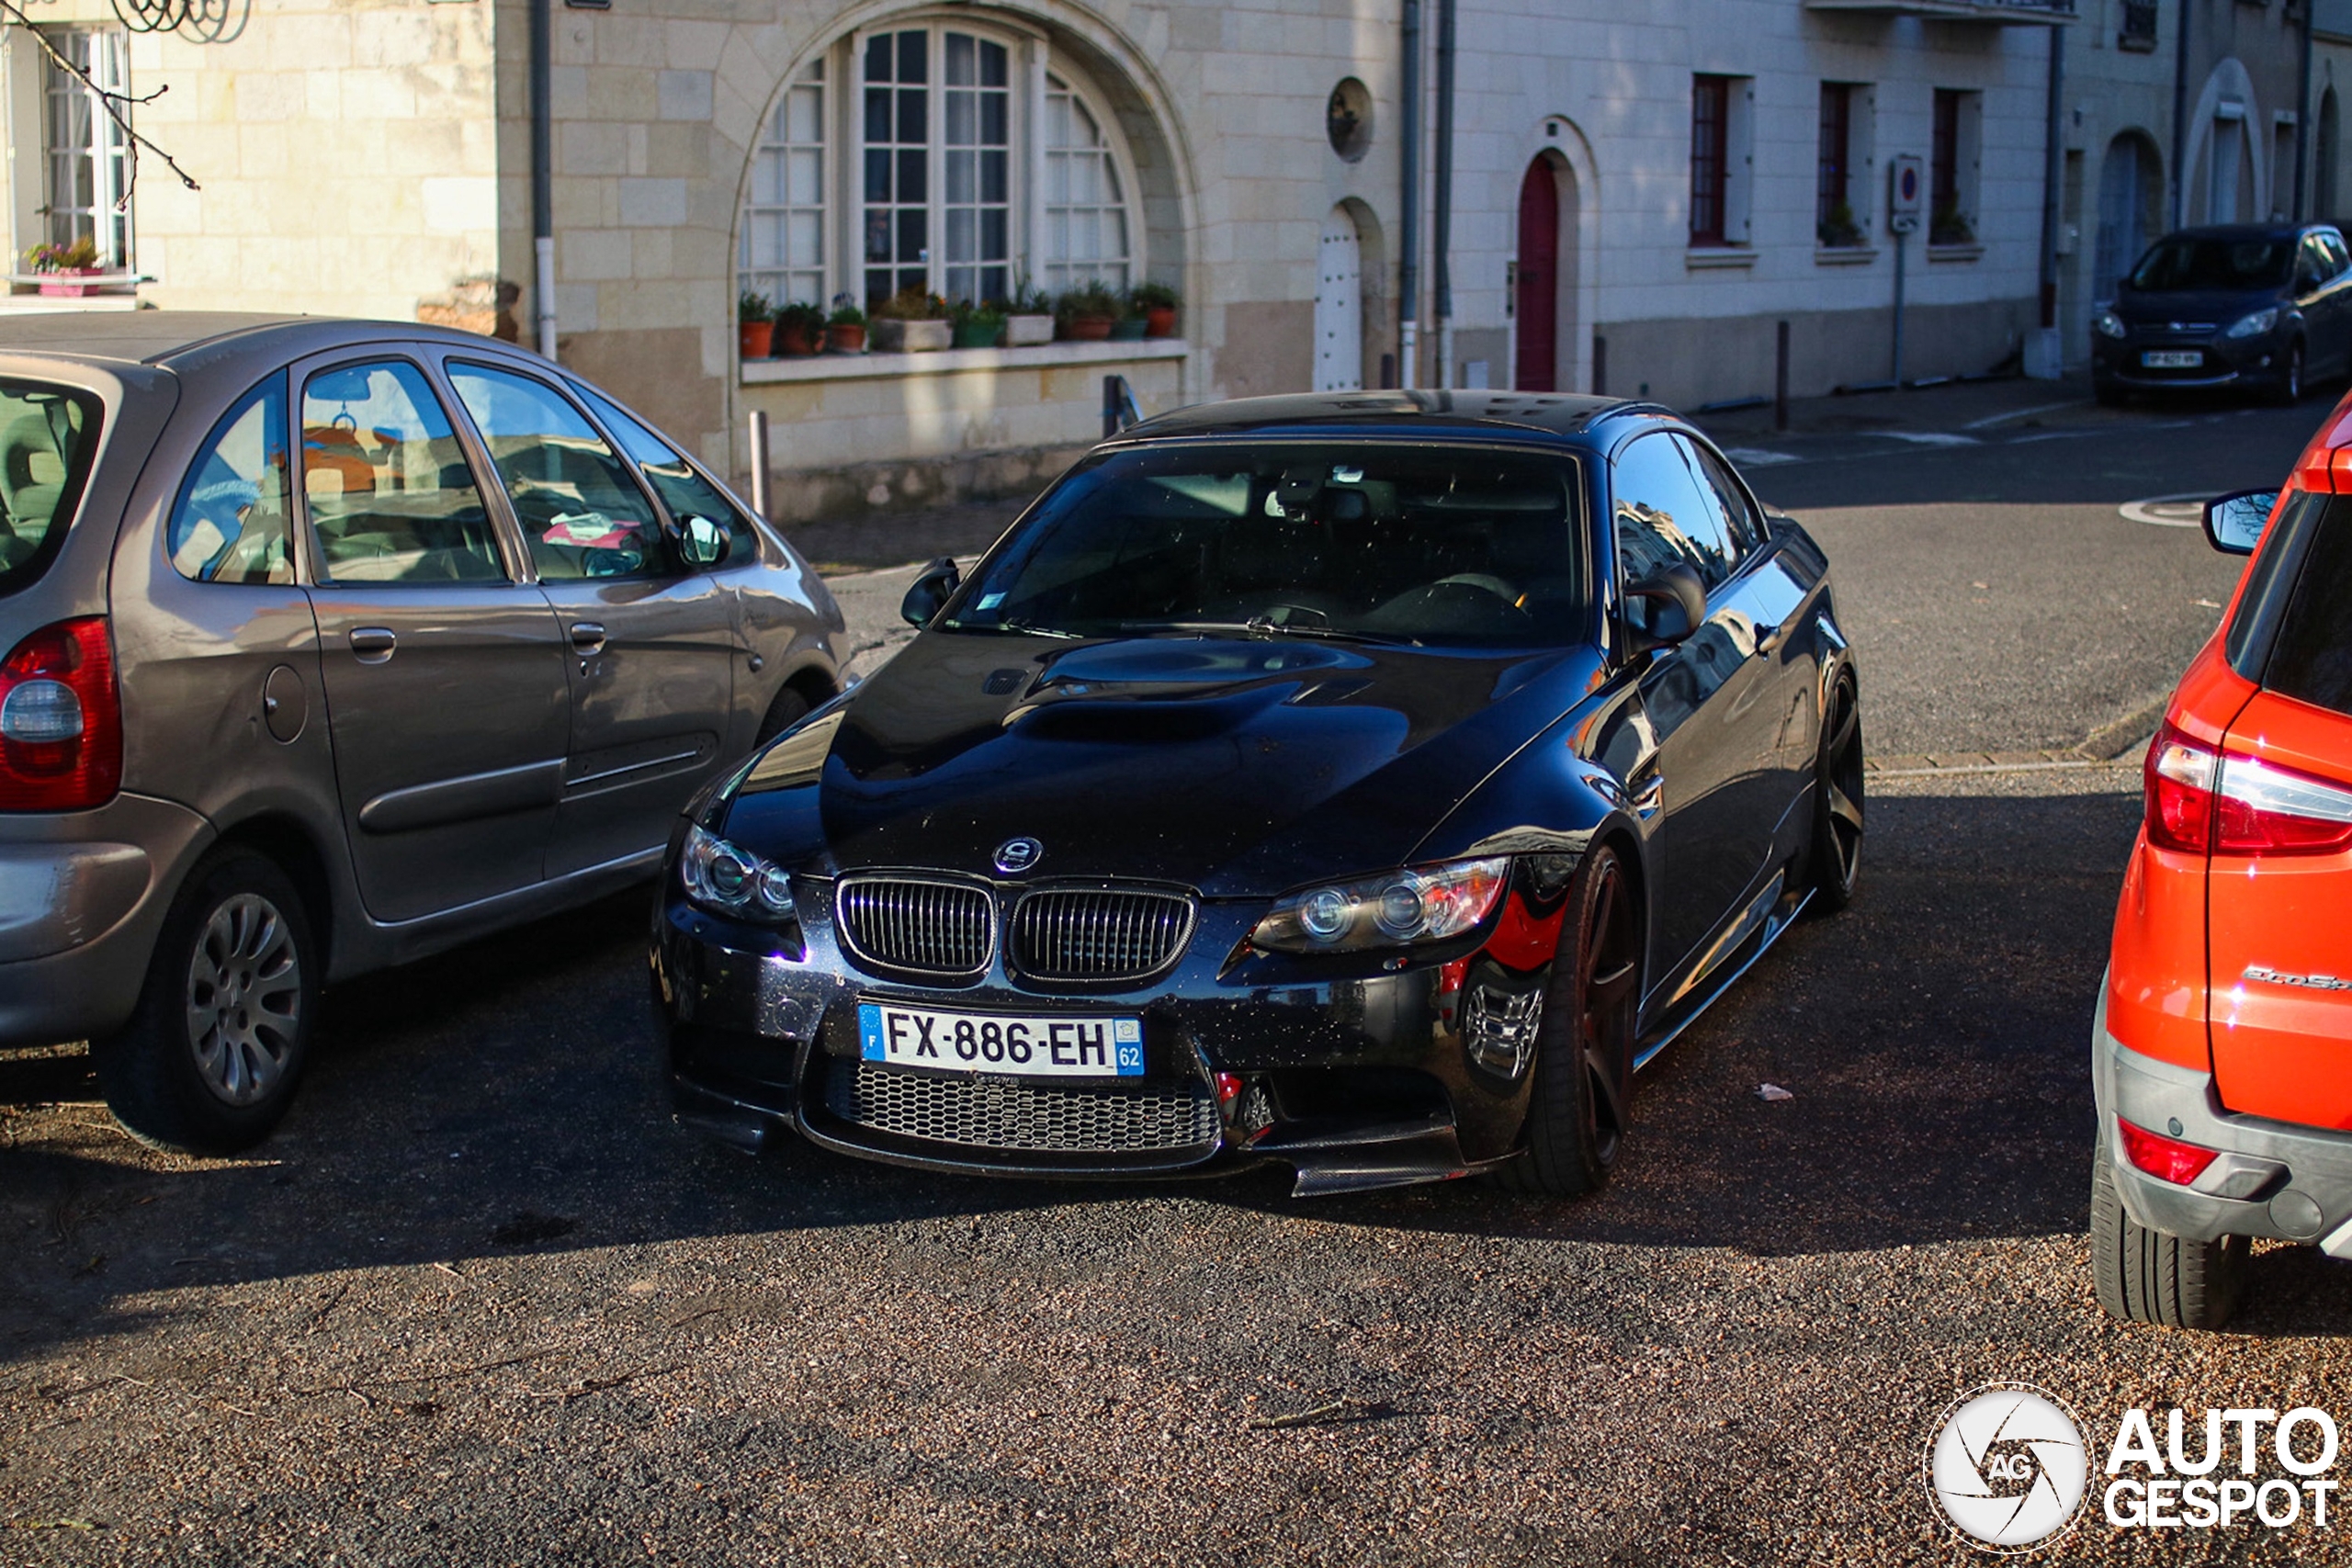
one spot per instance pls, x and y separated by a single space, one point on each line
481 1304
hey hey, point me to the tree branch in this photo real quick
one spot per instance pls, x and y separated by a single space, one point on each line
117 107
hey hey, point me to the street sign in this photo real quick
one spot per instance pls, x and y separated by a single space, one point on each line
1905 187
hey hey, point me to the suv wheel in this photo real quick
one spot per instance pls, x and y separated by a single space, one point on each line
1838 801
2151 1276
210 1057
1584 1061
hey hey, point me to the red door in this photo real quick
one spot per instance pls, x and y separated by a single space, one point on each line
1538 303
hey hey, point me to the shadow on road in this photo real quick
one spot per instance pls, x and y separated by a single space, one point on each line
508 1098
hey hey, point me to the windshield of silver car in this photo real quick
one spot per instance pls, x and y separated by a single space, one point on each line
1415 544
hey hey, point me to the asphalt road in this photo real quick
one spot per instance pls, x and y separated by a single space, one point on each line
480 1302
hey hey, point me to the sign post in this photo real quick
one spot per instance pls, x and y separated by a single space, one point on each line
1903 202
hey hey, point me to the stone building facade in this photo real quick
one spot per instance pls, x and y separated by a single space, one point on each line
1638 197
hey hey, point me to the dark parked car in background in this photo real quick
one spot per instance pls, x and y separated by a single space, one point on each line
2262 306
1366 783
325 645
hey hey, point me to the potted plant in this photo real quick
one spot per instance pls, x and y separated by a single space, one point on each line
1156 303
1838 232
912 321
1128 326
1029 317
1086 310
755 326
845 328
977 326
1950 226
799 329
76 260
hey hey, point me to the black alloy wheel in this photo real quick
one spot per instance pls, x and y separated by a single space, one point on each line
2290 390
1584 1063
1838 801
214 1050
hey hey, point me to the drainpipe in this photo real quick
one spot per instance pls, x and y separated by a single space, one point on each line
2054 169
1442 226
1408 268
2302 111
542 177
2179 115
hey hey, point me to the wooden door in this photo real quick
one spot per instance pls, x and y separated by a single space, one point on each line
1538 302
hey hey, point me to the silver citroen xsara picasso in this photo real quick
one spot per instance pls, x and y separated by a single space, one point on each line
325 645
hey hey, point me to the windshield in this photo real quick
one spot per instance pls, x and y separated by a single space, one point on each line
46 436
2180 264
1435 546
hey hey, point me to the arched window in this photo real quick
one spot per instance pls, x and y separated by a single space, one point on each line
971 158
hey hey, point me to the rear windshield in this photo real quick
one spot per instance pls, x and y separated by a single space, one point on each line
1420 545
46 436
2178 265
2310 659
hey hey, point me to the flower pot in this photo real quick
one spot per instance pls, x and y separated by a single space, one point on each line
1160 321
911 337
1019 332
1088 329
1127 329
755 340
64 289
842 338
980 334
797 339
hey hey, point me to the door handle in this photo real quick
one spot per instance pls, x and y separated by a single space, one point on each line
587 636
373 644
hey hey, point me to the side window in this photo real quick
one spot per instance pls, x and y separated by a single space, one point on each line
2339 260
581 513
1665 515
685 492
2310 659
391 497
231 523
1745 528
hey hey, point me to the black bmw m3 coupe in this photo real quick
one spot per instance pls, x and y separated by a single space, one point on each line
1371 782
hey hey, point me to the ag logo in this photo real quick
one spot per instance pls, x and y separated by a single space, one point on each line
2009 1467
1016 855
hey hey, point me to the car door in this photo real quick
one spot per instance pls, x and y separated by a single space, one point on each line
651 640
443 672
1702 696
2320 349
2336 264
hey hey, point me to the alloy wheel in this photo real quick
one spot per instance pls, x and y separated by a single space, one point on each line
244 998
1610 953
1841 784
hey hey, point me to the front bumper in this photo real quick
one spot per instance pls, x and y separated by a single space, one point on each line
2223 363
1357 1080
2296 1181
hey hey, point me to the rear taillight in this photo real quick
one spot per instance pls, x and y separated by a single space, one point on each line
60 720
2200 799
2166 1160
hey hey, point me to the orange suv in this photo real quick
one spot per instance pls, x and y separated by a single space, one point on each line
2223 1049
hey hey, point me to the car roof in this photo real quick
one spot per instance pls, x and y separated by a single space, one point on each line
158 337
1395 414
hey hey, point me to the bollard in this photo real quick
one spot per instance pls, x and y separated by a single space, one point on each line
1780 379
759 492
1600 365
1119 408
1388 372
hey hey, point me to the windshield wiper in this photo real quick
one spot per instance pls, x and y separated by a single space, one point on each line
1018 628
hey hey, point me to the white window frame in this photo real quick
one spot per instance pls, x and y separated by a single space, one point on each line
107 149
1112 152
749 276
843 208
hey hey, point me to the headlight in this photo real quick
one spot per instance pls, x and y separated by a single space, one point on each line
729 880
2254 325
1427 903
2107 324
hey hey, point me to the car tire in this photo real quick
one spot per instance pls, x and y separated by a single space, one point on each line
1584 1057
2289 392
1837 796
217 1040
2145 1275
789 708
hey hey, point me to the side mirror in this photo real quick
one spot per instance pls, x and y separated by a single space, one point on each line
702 542
1684 596
2234 523
932 588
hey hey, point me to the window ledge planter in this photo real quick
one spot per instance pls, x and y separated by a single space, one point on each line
1026 331
1844 255
890 336
955 361
1963 253
1701 258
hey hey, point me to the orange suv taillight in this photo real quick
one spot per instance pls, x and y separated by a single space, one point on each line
2200 799
60 720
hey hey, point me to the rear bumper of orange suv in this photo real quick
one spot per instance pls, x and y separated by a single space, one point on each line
2272 1179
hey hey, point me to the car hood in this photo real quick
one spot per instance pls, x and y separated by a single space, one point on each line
1234 765
2218 306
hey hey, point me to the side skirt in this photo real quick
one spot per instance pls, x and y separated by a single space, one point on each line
1764 931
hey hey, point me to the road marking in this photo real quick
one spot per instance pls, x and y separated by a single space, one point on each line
1990 420
2166 510
1759 457
1928 437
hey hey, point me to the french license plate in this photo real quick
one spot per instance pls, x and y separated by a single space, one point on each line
1053 1048
2172 359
